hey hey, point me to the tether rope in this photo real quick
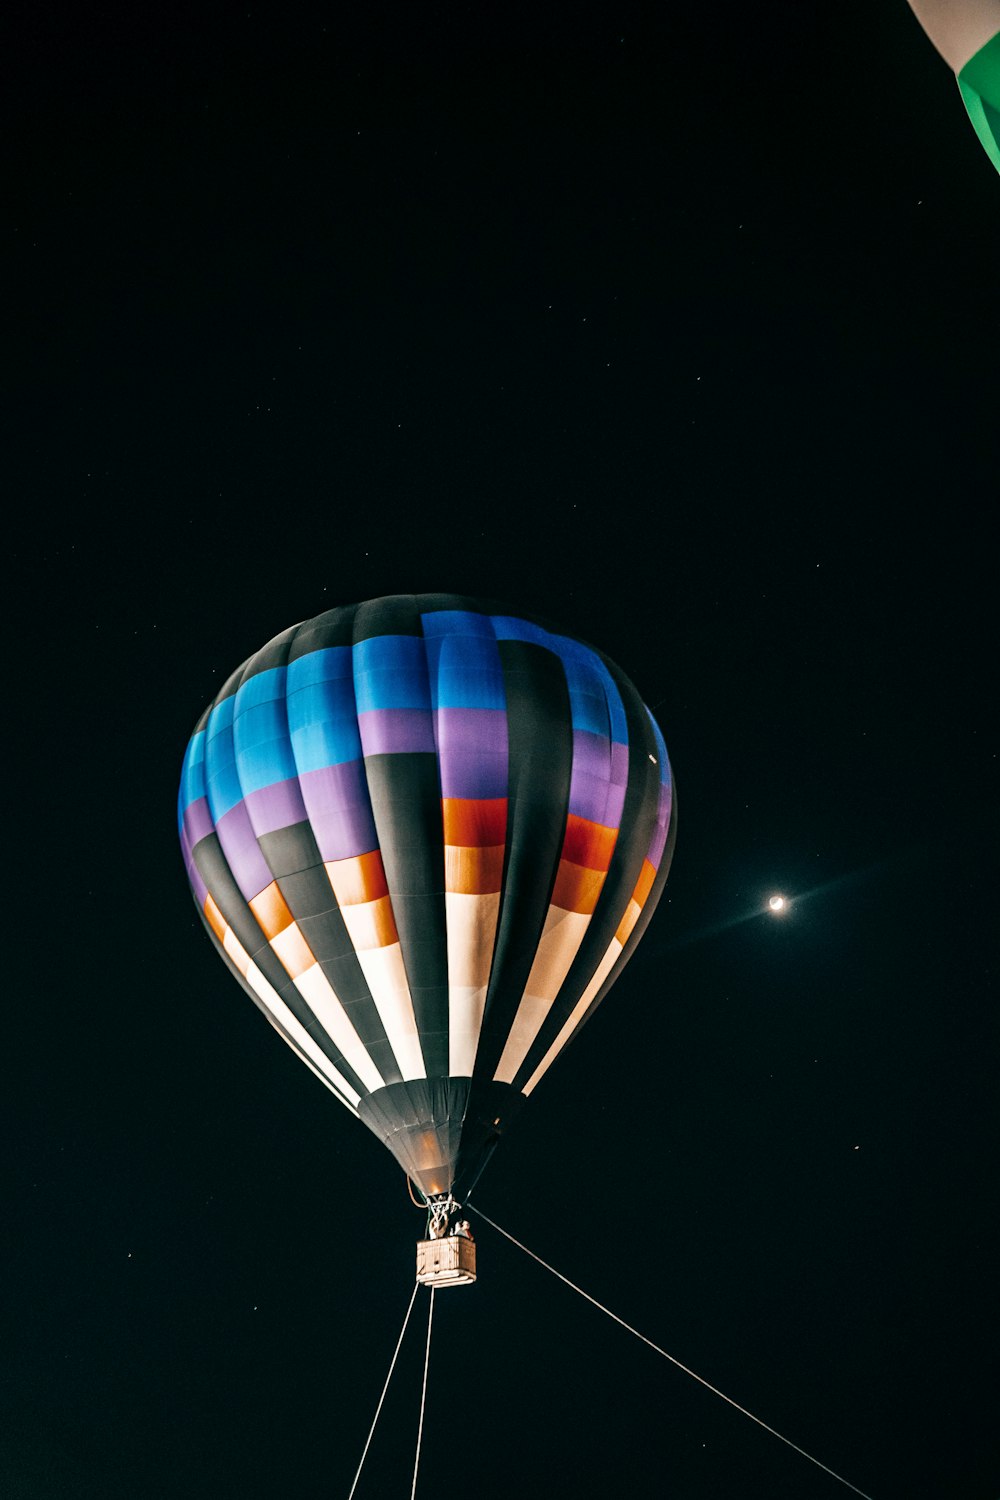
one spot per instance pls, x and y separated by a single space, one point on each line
423 1394
371 1432
701 1381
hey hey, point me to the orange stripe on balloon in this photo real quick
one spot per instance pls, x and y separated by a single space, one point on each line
576 887
628 921
589 844
644 884
359 879
214 917
474 822
271 911
637 901
473 872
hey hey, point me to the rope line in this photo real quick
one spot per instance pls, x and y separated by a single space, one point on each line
409 1188
371 1431
701 1381
423 1395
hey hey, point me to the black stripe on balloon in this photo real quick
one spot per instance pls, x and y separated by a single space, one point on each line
294 860
398 614
214 870
334 628
645 916
540 756
431 604
642 796
405 792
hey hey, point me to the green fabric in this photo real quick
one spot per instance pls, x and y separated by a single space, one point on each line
979 82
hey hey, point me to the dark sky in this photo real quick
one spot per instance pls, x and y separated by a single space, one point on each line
676 325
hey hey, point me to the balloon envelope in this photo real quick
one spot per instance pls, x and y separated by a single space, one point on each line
967 34
426 836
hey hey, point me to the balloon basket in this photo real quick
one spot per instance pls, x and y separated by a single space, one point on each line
450 1261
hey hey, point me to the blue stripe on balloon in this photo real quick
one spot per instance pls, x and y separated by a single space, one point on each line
264 721
264 687
594 698
457 622
661 751
260 731
222 783
463 661
508 628
220 720
192 775
327 665
330 740
263 747
322 712
390 671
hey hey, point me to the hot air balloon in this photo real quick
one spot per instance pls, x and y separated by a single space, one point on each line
967 35
426 836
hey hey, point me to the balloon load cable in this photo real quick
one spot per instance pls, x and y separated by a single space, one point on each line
423 1395
381 1399
700 1379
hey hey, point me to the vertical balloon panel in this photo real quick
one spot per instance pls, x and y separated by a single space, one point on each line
967 35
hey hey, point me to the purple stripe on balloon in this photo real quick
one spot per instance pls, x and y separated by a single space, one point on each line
659 838
396 731
596 799
592 754
471 729
347 833
472 751
198 885
197 821
597 778
339 809
599 756
470 773
276 806
239 845
330 788
657 844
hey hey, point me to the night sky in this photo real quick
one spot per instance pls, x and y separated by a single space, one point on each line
676 325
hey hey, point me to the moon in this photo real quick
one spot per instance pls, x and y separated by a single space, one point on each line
777 904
